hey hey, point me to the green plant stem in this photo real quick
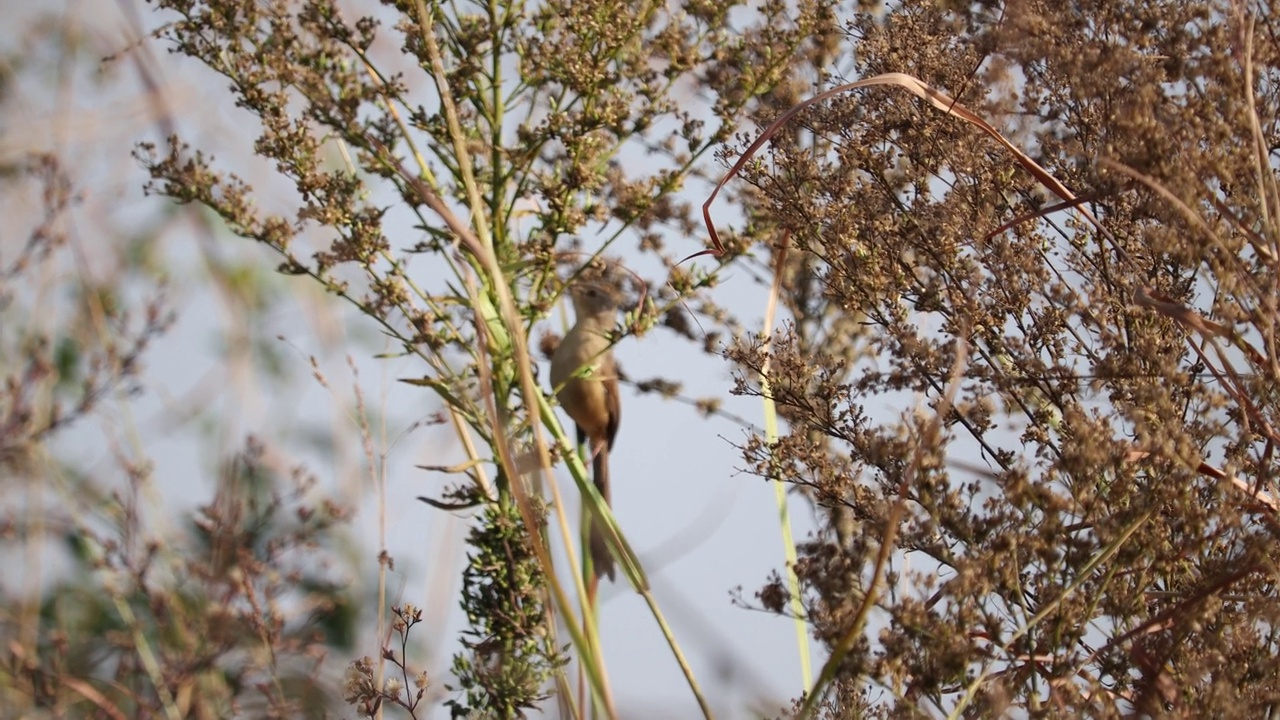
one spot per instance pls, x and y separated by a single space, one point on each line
147 657
780 490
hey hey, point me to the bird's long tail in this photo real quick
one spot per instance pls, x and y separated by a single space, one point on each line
601 557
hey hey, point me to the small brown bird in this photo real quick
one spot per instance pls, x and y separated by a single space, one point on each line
590 397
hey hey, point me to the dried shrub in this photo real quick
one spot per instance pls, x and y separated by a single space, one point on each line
1094 532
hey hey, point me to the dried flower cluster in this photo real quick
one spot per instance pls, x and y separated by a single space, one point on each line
1093 531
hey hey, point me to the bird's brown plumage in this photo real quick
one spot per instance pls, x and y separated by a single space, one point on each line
590 397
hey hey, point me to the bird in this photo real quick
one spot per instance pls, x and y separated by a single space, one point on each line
584 375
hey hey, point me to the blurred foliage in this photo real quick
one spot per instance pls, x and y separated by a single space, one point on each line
120 601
